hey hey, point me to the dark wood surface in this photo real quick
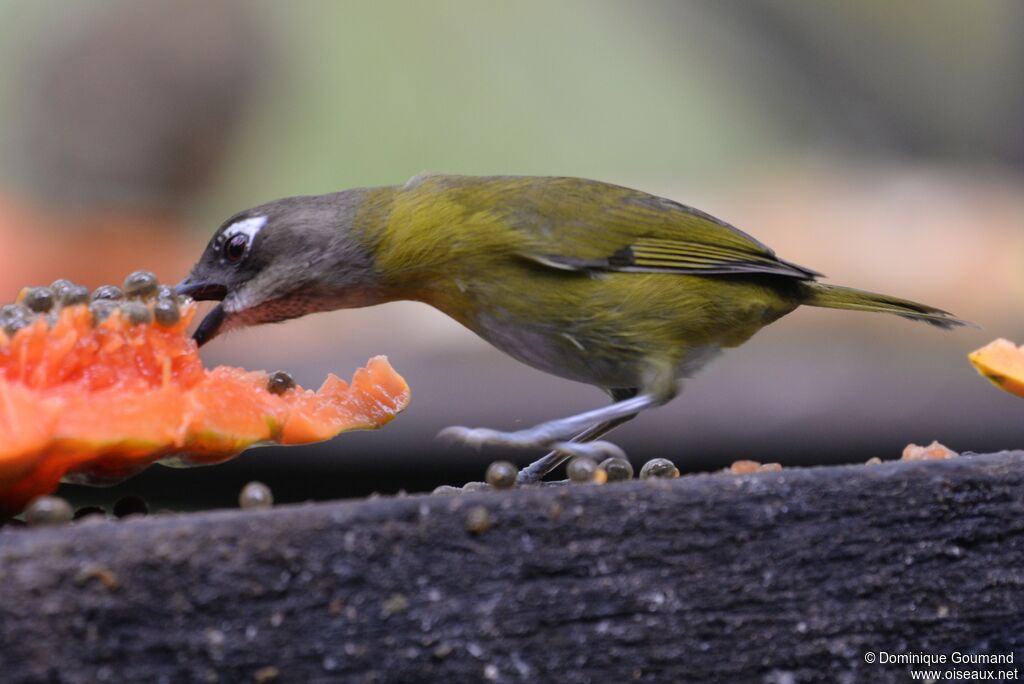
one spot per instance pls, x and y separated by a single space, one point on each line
780 577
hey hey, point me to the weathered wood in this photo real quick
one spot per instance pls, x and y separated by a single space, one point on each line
773 577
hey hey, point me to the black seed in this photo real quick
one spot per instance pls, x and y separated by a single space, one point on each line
73 294
10 312
581 470
112 292
618 469
280 382
136 313
59 286
48 510
166 312
478 520
502 475
255 495
659 467
39 299
130 505
89 510
101 310
141 285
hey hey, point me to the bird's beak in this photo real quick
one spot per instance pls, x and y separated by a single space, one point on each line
205 291
201 290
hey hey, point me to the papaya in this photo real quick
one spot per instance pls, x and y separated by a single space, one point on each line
1002 363
94 390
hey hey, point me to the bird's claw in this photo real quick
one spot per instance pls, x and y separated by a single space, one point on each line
598 450
478 437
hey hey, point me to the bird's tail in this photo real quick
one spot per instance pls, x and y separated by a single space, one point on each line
838 297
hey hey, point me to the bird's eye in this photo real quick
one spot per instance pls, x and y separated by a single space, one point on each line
234 248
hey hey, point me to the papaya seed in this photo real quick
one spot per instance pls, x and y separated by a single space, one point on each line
280 382
502 475
39 299
659 467
255 495
101 310
48 510
130 504
111 292
618 469
166 312
136 313
59 287
582 470
141 285
76 294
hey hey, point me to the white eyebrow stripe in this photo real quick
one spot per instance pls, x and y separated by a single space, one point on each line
248 227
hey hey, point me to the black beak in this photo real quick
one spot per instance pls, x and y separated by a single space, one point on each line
205 291
201 291
210 325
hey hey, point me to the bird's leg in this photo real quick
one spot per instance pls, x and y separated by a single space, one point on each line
556 433
536 471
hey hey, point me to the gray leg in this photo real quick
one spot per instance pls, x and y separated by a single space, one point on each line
549 433
536 471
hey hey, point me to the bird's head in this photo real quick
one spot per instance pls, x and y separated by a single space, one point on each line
282 260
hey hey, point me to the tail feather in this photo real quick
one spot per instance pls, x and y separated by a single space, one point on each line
838 297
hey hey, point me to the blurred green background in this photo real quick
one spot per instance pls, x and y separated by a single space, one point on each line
878 141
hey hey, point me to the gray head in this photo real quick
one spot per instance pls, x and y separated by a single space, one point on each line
282 260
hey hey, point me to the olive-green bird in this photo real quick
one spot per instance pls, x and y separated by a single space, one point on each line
589 281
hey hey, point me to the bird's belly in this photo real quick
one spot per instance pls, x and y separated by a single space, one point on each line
593 360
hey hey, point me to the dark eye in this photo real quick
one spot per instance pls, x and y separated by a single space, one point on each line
234 249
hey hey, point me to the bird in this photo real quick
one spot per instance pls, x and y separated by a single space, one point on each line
586 280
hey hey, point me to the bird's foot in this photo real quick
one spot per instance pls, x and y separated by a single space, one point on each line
520 439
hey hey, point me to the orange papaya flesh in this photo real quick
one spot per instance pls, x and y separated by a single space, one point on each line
95 402
1002 363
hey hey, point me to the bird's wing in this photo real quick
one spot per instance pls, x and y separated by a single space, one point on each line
618 229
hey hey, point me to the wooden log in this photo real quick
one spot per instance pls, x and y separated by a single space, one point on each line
781 577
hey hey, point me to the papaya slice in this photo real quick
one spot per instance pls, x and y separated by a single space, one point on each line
94 392
1002 363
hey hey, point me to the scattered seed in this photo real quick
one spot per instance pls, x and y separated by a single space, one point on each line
394 604
502 475
478 520
475 487
73 294
136 313
48 510
166 312
446 490
618 469
770 467
255 495
131 504
659 467
582 470
141 285
874 460
89 510
280 382
39 299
